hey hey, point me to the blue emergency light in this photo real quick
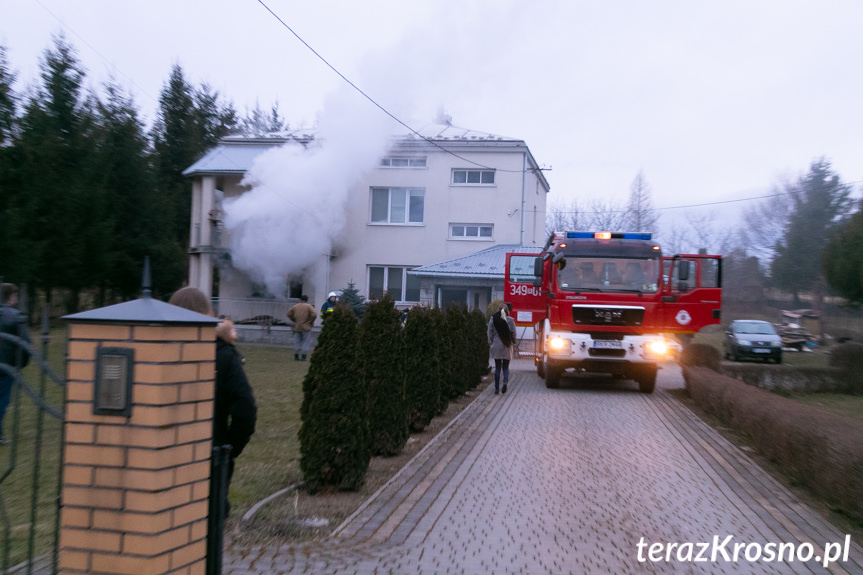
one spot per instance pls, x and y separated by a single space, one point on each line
608 235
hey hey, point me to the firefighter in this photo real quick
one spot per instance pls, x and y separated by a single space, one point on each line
328 306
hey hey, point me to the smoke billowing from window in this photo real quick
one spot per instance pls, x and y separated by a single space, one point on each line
295 210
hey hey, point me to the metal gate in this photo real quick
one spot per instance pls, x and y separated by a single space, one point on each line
30 459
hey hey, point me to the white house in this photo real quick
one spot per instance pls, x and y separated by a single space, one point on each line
443 196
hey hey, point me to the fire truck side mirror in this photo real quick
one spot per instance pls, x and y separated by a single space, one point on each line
683 271
537 282
537 267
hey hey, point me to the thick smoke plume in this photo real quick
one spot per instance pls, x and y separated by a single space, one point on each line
296 207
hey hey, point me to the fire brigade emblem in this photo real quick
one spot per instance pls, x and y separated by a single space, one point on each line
683 317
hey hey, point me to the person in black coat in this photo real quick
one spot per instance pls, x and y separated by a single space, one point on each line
235 411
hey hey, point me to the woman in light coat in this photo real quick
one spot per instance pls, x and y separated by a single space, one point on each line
501 340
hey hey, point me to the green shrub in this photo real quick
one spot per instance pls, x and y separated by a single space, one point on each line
700 355
849 358
479 338
819 449
422 368
334 449
457 329
445 346
382 370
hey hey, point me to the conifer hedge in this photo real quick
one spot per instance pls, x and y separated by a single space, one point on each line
422 368
445 347
334 450
479 340
381 360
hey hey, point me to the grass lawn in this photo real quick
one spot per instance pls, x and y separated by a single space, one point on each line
848 405
271 461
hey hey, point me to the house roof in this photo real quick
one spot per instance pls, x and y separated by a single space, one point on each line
236 153
489 263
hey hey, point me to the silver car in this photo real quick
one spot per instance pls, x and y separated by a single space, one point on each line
751 338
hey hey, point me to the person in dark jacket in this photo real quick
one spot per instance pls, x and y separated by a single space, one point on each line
12 323
501 339
234 411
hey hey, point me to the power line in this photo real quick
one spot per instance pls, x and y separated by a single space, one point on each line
111 64
379 106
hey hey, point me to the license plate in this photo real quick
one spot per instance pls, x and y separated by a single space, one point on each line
607 344
761 350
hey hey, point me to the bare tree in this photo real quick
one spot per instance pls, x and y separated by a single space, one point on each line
562 215
641 216
607 215
765 223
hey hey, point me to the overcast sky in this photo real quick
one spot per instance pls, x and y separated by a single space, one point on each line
713 101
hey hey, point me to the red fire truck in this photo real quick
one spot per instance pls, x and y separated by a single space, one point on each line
600 302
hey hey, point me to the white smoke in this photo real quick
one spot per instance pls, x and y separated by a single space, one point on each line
296 207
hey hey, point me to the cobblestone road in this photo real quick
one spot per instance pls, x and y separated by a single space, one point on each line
569 481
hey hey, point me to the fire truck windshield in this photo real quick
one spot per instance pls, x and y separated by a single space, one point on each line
608 274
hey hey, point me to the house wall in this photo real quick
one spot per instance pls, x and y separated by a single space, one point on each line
515 205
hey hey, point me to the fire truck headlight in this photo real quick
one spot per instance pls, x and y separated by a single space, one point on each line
558 344
658 347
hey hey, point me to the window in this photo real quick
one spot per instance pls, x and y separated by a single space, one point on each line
471 231
400 162
473 177
397 205
394 280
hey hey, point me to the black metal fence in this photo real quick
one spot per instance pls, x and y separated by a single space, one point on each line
30 456
220 473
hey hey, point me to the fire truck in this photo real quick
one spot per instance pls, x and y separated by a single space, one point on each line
603 302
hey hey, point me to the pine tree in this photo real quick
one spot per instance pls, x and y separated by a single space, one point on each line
57 170
352 297
334 449
381 363
126 180
422 368
820 199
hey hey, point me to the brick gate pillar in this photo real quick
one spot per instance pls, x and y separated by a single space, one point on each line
138 429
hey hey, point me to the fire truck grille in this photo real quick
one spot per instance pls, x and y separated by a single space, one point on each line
607 316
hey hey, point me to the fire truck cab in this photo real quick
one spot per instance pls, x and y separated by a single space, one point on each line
602 302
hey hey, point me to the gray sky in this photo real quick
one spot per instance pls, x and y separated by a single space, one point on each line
713 101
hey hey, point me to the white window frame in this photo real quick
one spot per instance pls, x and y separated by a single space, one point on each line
482 174
386 281
402 162
408 194
470 238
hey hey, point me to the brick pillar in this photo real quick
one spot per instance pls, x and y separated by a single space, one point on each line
136 484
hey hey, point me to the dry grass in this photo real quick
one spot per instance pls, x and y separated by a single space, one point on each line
271 461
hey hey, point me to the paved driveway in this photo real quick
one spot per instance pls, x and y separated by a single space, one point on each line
591 478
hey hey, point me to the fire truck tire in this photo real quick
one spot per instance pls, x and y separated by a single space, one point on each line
540 369
552 375
647 380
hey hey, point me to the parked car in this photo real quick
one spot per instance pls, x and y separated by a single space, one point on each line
750 338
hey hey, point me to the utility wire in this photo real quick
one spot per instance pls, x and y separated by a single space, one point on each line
379 106
111 64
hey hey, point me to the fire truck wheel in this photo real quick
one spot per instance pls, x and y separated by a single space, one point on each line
647 380
540 368
552 376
